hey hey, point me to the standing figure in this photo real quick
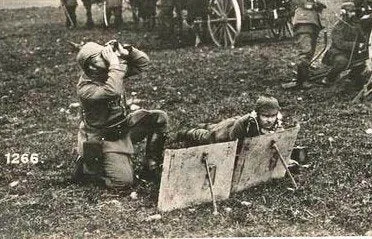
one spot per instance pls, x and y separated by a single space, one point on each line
147 12
266 118
70 12
107 131
114 7
307 25
165 17
88 8
349 44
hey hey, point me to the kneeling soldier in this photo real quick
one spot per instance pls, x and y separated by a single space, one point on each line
348 41
107 132
266 118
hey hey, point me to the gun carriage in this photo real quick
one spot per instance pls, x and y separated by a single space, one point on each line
227 18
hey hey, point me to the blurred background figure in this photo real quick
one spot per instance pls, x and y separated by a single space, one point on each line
307 25
349 45
165 17
114 8
69 7
88 9
147 12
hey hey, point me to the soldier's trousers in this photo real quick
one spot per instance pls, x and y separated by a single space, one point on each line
71 10
165 17
116 169
306 45
88 8
117 12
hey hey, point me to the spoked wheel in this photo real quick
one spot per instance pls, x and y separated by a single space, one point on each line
224 22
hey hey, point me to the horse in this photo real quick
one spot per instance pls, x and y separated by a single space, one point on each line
135 5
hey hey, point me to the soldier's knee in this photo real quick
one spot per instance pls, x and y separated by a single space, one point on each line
161 118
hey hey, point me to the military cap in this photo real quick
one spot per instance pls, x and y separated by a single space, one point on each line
266 103
89 50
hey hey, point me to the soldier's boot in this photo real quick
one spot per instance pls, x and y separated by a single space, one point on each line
82 175
359 75
89 23
118 22
330 79
303 75
154 155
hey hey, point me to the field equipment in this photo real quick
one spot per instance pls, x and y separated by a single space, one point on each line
226 18
210 173
275 147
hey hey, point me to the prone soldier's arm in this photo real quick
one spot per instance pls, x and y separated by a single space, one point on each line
239 129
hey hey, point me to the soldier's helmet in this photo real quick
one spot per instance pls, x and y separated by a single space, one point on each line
89 50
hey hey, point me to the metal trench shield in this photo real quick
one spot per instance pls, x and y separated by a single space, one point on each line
184 180
257 162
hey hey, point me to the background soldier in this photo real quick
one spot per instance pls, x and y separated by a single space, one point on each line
264 119
88 8
165 17
107 132
349 44
70 13
114 7
364 11
307 24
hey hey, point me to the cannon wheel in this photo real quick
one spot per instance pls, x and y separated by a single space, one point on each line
224 22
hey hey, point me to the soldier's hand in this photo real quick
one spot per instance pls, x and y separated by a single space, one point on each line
124 51
362 45
109 55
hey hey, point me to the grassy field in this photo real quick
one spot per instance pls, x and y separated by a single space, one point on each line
39 73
